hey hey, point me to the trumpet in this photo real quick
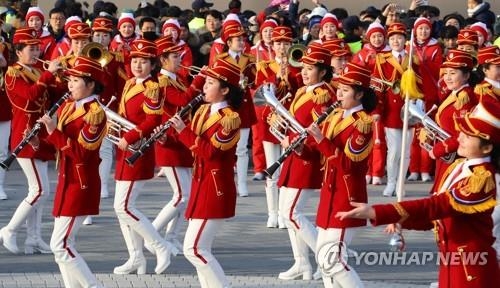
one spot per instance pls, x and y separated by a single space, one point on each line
193 70
295 52
116 126
395 86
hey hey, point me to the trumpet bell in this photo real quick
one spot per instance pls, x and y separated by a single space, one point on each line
98 53
295 53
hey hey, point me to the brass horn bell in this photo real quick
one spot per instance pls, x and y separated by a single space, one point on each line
97 52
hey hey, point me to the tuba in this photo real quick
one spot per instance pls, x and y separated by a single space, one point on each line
295 52
98 53
433 131
116 126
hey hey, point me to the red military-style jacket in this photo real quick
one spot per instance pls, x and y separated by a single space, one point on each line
430 58
5 107
62 48
172 152
212 139
80 131
115 79
461 216
261 52
303 170
47 44
367 55
27 89
346 148
267 72
248 70
141 104
186 60
485 92
218 48
119 44
389 104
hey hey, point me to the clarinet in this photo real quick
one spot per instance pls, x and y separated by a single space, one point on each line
162 129
298 141
5 164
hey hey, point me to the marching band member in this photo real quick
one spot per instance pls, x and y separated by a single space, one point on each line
141 103
123 40
300 174
457 76
468 41
63 47
341 55
27 89
284 76
430 56
389 67
233 36
219 44
460 209
79 35
262 52
345 140
5 111
173 158
172 28
212 137
35 19
77 135
489 65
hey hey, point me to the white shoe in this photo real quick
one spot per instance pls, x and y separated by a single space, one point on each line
368 179
426 177
259 176
317 275
390 190
272 221
281 223
413 176
132 266
88 220
376 180
35 246
3 196
163 257
243 194
297 271
104 194
8 239
434 285
161 173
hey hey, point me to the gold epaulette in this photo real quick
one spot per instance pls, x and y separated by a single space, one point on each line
382 57
95 115
321 96
152 90
118 56
483 89
251 57
462 99
480 180
164 81
221 55
301 90
14 70
364 122
230 121
262 66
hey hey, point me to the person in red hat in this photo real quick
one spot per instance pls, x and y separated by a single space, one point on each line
460 209
79 35
429 53
376 36
468 41
174 159
234 39
142 104
284 76
35 19
457 75
488 59
219 43
301 173
263 52
28 91
212 137
389 67
121 42
77 135
172 28
347 130
63 47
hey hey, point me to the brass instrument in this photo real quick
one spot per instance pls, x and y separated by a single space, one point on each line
433 131
394 86
193 70
295 53
117 126
98 53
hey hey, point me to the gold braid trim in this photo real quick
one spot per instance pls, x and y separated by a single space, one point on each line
92 145
231 120
471 209
480 180
401 211
482 89
462 99
118 56
321 96
152 90
364 123
164 81
95 115
357 157
13 72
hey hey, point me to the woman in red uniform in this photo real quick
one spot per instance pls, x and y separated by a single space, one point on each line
301 172
488 59
346 142
123 40
27 89
77 135
460 209
212 137
141 104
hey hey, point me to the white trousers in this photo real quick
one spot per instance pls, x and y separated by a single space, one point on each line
106 154
272 152
334 268
179 179
293 211
394 138
198 241
242 161
4 147
74 270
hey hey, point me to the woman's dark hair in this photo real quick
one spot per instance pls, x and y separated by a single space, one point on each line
98 86
235 96
494 154
474 77
328 69
480 71
369 99
449 32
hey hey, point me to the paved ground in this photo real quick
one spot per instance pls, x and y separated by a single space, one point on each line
251 254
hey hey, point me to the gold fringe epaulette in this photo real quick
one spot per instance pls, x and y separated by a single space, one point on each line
480 180
152 90
261 66
301 91
95 115
221 55
230 121
321 96
164 81
382 57
118 56
488 204
14 71
364 123
462 99
251 57
357 156
483 89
